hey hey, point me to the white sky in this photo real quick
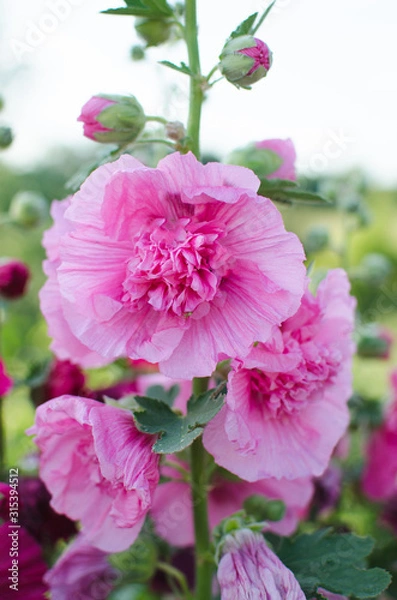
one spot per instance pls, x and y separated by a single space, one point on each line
332 87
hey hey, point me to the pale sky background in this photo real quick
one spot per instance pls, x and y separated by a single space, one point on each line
332 87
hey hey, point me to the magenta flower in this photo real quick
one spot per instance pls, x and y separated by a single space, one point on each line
14 276
379 480
285 149
286 406
82 571
183 265
172 505
98 468
261 54
21 562
249 570
5 380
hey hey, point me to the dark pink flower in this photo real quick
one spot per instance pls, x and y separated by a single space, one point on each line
261 54
26 574
82 572
5 380
98 467
379 480
14 276
285 149
249 570
168 264
286 406
172 505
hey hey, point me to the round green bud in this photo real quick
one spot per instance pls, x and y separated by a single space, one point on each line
137 53
6 137
153 31
245 60
124 120
28 209
317 239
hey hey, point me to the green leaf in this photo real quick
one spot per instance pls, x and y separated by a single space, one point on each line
280 191
245 27
183 68
159 393
335 562
151 9
177 431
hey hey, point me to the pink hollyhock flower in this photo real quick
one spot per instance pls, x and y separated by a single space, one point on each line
90 113
5 380
249 570
171 263
81 572
172 504
285 149
379 480
65 344
64 378
14 276
98 468
286 406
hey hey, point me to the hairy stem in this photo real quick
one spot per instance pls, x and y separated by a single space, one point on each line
196 94
200 510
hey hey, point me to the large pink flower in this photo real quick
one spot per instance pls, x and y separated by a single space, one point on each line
81 573
172 510
98 468
286 406
249 570
65 344
183 265
380 473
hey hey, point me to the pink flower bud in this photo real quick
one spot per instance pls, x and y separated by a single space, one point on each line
14 276
112 119
245 60
249 569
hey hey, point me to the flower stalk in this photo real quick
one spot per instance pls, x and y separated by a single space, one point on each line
196 94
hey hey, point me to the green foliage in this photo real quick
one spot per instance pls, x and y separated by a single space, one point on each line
151 9
133 592
177 431
138 563
335 562
288 192
262 509
183 68
245 27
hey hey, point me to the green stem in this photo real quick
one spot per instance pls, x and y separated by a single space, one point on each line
200 510
196 90
156 119
178 576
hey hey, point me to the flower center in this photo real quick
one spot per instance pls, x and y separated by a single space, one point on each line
175 267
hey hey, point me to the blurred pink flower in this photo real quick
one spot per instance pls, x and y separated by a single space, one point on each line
98 468
5 380
286 406
249 570
172 504
90 113
81 572
168 264
285 149
14 276
379 480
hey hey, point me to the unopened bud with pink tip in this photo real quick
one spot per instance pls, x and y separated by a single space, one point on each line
244 60
112 119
